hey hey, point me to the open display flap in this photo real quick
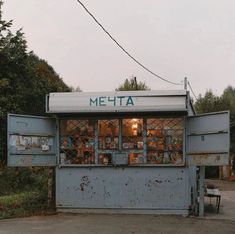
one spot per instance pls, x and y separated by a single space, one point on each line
32 141
208 139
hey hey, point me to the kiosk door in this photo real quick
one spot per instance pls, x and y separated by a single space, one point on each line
208 139
208 144
32 141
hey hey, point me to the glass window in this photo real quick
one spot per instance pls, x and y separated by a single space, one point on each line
108 132
165 140
136 158
132 134
159 141
132 140
77 140
105 159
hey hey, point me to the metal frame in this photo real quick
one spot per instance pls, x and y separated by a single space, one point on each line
143 151
134 94
42 154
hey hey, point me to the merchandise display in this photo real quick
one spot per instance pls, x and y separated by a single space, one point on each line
108 132
132 134
158 141
77 142
165 141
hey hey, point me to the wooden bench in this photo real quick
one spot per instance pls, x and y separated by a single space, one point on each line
216 194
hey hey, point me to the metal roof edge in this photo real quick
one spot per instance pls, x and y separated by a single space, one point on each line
127 93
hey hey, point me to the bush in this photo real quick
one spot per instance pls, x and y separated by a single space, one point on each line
22 204
23 191
16 180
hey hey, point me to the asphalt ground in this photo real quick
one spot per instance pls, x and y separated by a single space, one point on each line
68 224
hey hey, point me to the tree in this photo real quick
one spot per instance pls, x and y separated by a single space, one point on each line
25 79
228 99
212 103
77 89
132 84
208 103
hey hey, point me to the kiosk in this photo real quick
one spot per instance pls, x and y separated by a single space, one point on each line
122 152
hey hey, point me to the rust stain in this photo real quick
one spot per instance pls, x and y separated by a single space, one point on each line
167 181
84 183
158 181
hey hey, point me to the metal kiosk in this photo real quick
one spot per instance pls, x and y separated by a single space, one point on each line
122 152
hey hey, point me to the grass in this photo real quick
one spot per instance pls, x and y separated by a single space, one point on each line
23 192
22 204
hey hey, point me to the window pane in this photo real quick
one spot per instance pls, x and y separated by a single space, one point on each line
165 140
136 158
77 139
105 159
132 134
108 132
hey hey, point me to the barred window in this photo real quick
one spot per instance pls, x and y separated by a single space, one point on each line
77 140
145 141
165 141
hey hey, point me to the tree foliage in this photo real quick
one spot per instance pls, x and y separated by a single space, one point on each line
132 84
25 79
208 103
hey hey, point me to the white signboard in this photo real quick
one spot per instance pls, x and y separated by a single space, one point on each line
117 101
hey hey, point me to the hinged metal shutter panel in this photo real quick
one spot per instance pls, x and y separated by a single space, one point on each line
31 141
208 139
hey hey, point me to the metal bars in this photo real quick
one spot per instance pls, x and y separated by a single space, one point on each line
165 141
145 140
77 142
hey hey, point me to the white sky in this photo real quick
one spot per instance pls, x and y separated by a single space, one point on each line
173 38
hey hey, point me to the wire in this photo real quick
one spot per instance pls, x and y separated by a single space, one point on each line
123 49
192 91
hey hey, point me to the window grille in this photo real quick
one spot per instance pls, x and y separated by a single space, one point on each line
77 141
165 141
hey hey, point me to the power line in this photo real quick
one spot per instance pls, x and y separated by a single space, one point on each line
192 91
123 49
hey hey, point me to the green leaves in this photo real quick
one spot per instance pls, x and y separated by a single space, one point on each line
25 79
132 84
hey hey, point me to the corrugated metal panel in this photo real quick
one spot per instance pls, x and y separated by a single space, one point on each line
132 101
130 188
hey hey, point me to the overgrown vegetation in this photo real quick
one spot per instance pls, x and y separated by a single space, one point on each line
22 204
25 79
23 192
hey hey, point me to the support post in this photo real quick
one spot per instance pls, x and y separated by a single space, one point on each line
201 190
185 83
50 188
136 85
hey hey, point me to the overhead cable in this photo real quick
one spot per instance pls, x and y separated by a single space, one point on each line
123 49
192 91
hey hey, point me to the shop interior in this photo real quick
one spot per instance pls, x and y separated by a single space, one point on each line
157 141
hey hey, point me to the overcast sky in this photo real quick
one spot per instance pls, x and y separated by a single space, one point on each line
173 38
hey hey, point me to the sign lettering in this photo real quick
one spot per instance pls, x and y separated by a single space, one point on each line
112 101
